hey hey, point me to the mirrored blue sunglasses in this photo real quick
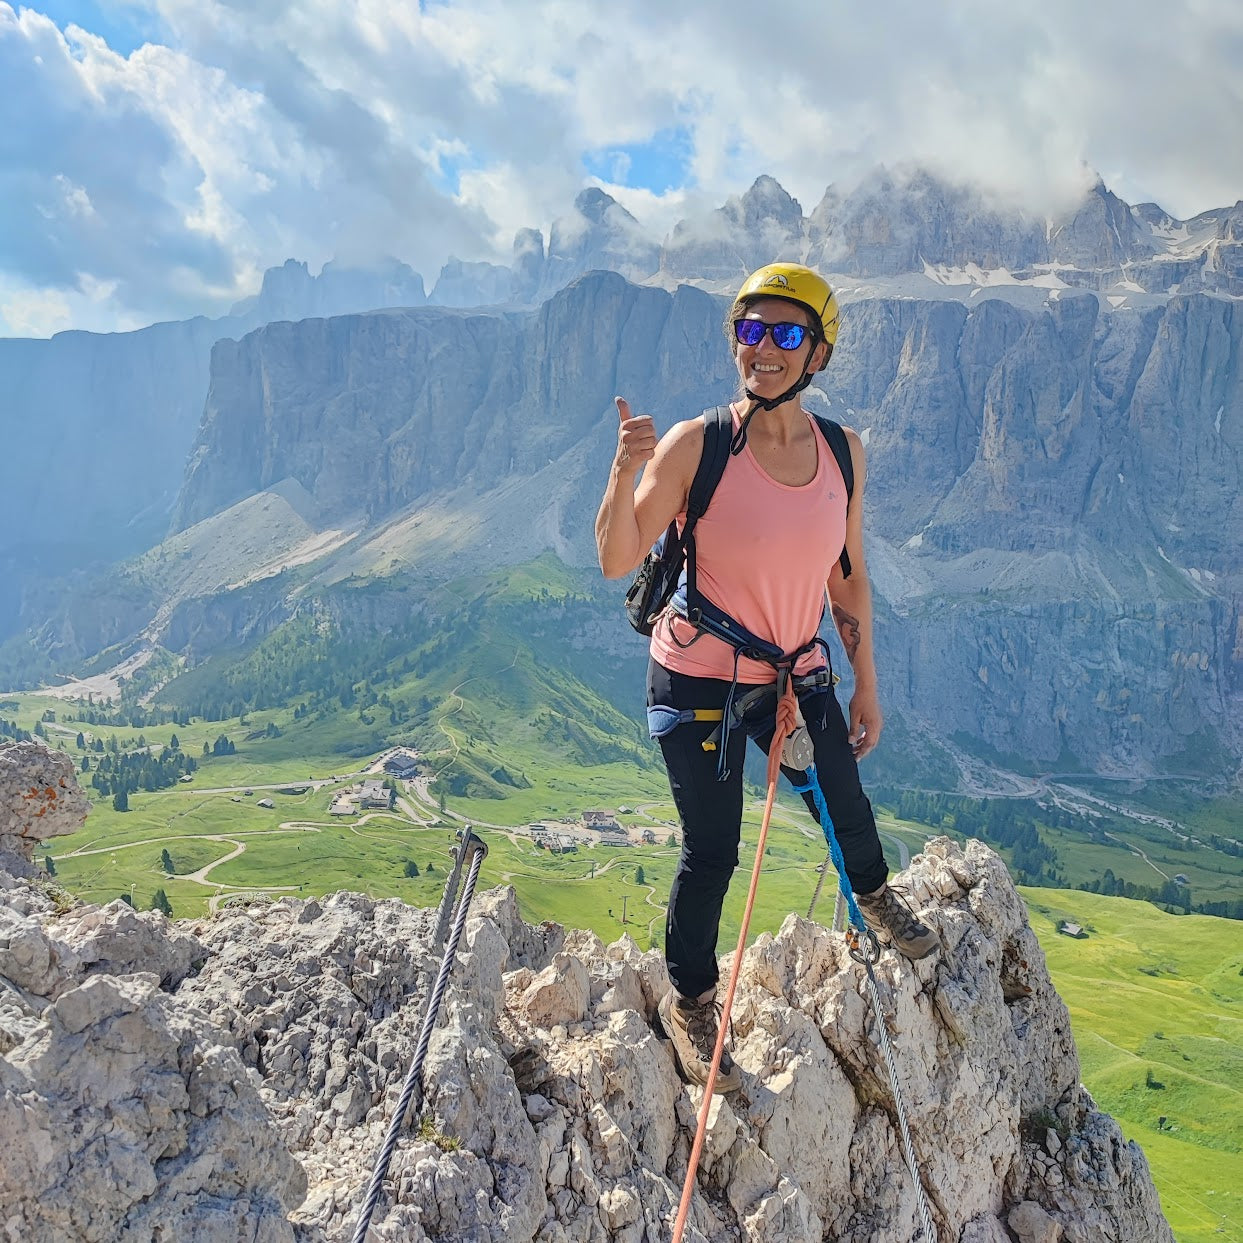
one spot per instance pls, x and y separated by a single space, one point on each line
785 336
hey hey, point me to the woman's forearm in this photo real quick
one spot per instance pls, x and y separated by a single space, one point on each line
852 617
618 542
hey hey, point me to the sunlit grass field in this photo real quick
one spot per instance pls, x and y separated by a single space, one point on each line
1155 999
1156 1002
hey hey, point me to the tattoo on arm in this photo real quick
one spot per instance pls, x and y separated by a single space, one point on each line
848 628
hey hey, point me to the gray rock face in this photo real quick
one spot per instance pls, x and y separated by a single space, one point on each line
249 1099
473 284
894 224
762 225
126 1116
598 234
1053 492
83 399
291 292
1102 233
449 399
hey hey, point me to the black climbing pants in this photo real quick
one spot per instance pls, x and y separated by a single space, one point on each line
711 812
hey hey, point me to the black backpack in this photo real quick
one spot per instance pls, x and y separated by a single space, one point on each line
673 554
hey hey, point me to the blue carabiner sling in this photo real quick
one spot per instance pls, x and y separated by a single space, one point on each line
663 720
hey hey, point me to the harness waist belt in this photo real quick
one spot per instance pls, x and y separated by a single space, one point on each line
709 618
713 620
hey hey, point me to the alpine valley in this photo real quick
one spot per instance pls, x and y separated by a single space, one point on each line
1053 411
345 535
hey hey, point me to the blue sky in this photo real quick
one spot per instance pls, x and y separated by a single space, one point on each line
154 166
659 164
124 27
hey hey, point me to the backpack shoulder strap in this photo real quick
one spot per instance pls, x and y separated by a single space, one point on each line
718 427
718 430
836 438
835 435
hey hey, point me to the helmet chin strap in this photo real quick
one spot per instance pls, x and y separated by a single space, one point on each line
760 403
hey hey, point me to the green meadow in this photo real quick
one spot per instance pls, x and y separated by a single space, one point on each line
1156 1003
1155 999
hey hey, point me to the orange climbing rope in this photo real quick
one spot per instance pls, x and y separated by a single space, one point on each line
787 719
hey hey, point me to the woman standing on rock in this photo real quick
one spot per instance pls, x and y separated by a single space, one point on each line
767 548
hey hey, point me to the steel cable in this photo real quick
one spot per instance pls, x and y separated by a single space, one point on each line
475 847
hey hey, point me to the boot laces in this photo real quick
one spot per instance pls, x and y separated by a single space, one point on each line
894 912
702 1024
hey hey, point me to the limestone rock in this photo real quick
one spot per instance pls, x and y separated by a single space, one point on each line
559 994
749 231
116 939
243 1086
127 1118
39 798
1032 1224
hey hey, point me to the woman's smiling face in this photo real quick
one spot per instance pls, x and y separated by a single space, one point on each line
764 368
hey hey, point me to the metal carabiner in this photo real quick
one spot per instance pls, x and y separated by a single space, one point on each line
856 941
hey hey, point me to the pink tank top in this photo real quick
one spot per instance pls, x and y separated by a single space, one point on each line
764 554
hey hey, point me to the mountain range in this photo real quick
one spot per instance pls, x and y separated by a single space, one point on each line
1052 410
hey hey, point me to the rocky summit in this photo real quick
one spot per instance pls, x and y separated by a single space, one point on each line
234 1078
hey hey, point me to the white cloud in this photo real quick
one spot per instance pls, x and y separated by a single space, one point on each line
360 127
36 313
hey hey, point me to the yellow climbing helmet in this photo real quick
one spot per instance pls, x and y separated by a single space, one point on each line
795 283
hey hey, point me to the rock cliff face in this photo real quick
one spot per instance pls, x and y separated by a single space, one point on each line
82 400
1054 454
1053 495
95 427
373 413
234 1078
744 234
71 411
291 292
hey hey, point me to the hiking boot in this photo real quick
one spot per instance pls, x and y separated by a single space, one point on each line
692 1023
890 918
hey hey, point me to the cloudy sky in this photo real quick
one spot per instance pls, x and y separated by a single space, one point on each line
157 155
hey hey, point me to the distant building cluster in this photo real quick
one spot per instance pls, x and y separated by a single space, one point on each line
403 765
374 793
400 764
547 837
602 821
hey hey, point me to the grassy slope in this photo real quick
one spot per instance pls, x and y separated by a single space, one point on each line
1157 998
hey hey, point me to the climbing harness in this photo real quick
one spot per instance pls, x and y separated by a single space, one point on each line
865 949
662 720
755 702
863 945
473 848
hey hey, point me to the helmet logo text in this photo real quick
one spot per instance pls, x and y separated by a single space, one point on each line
777 281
